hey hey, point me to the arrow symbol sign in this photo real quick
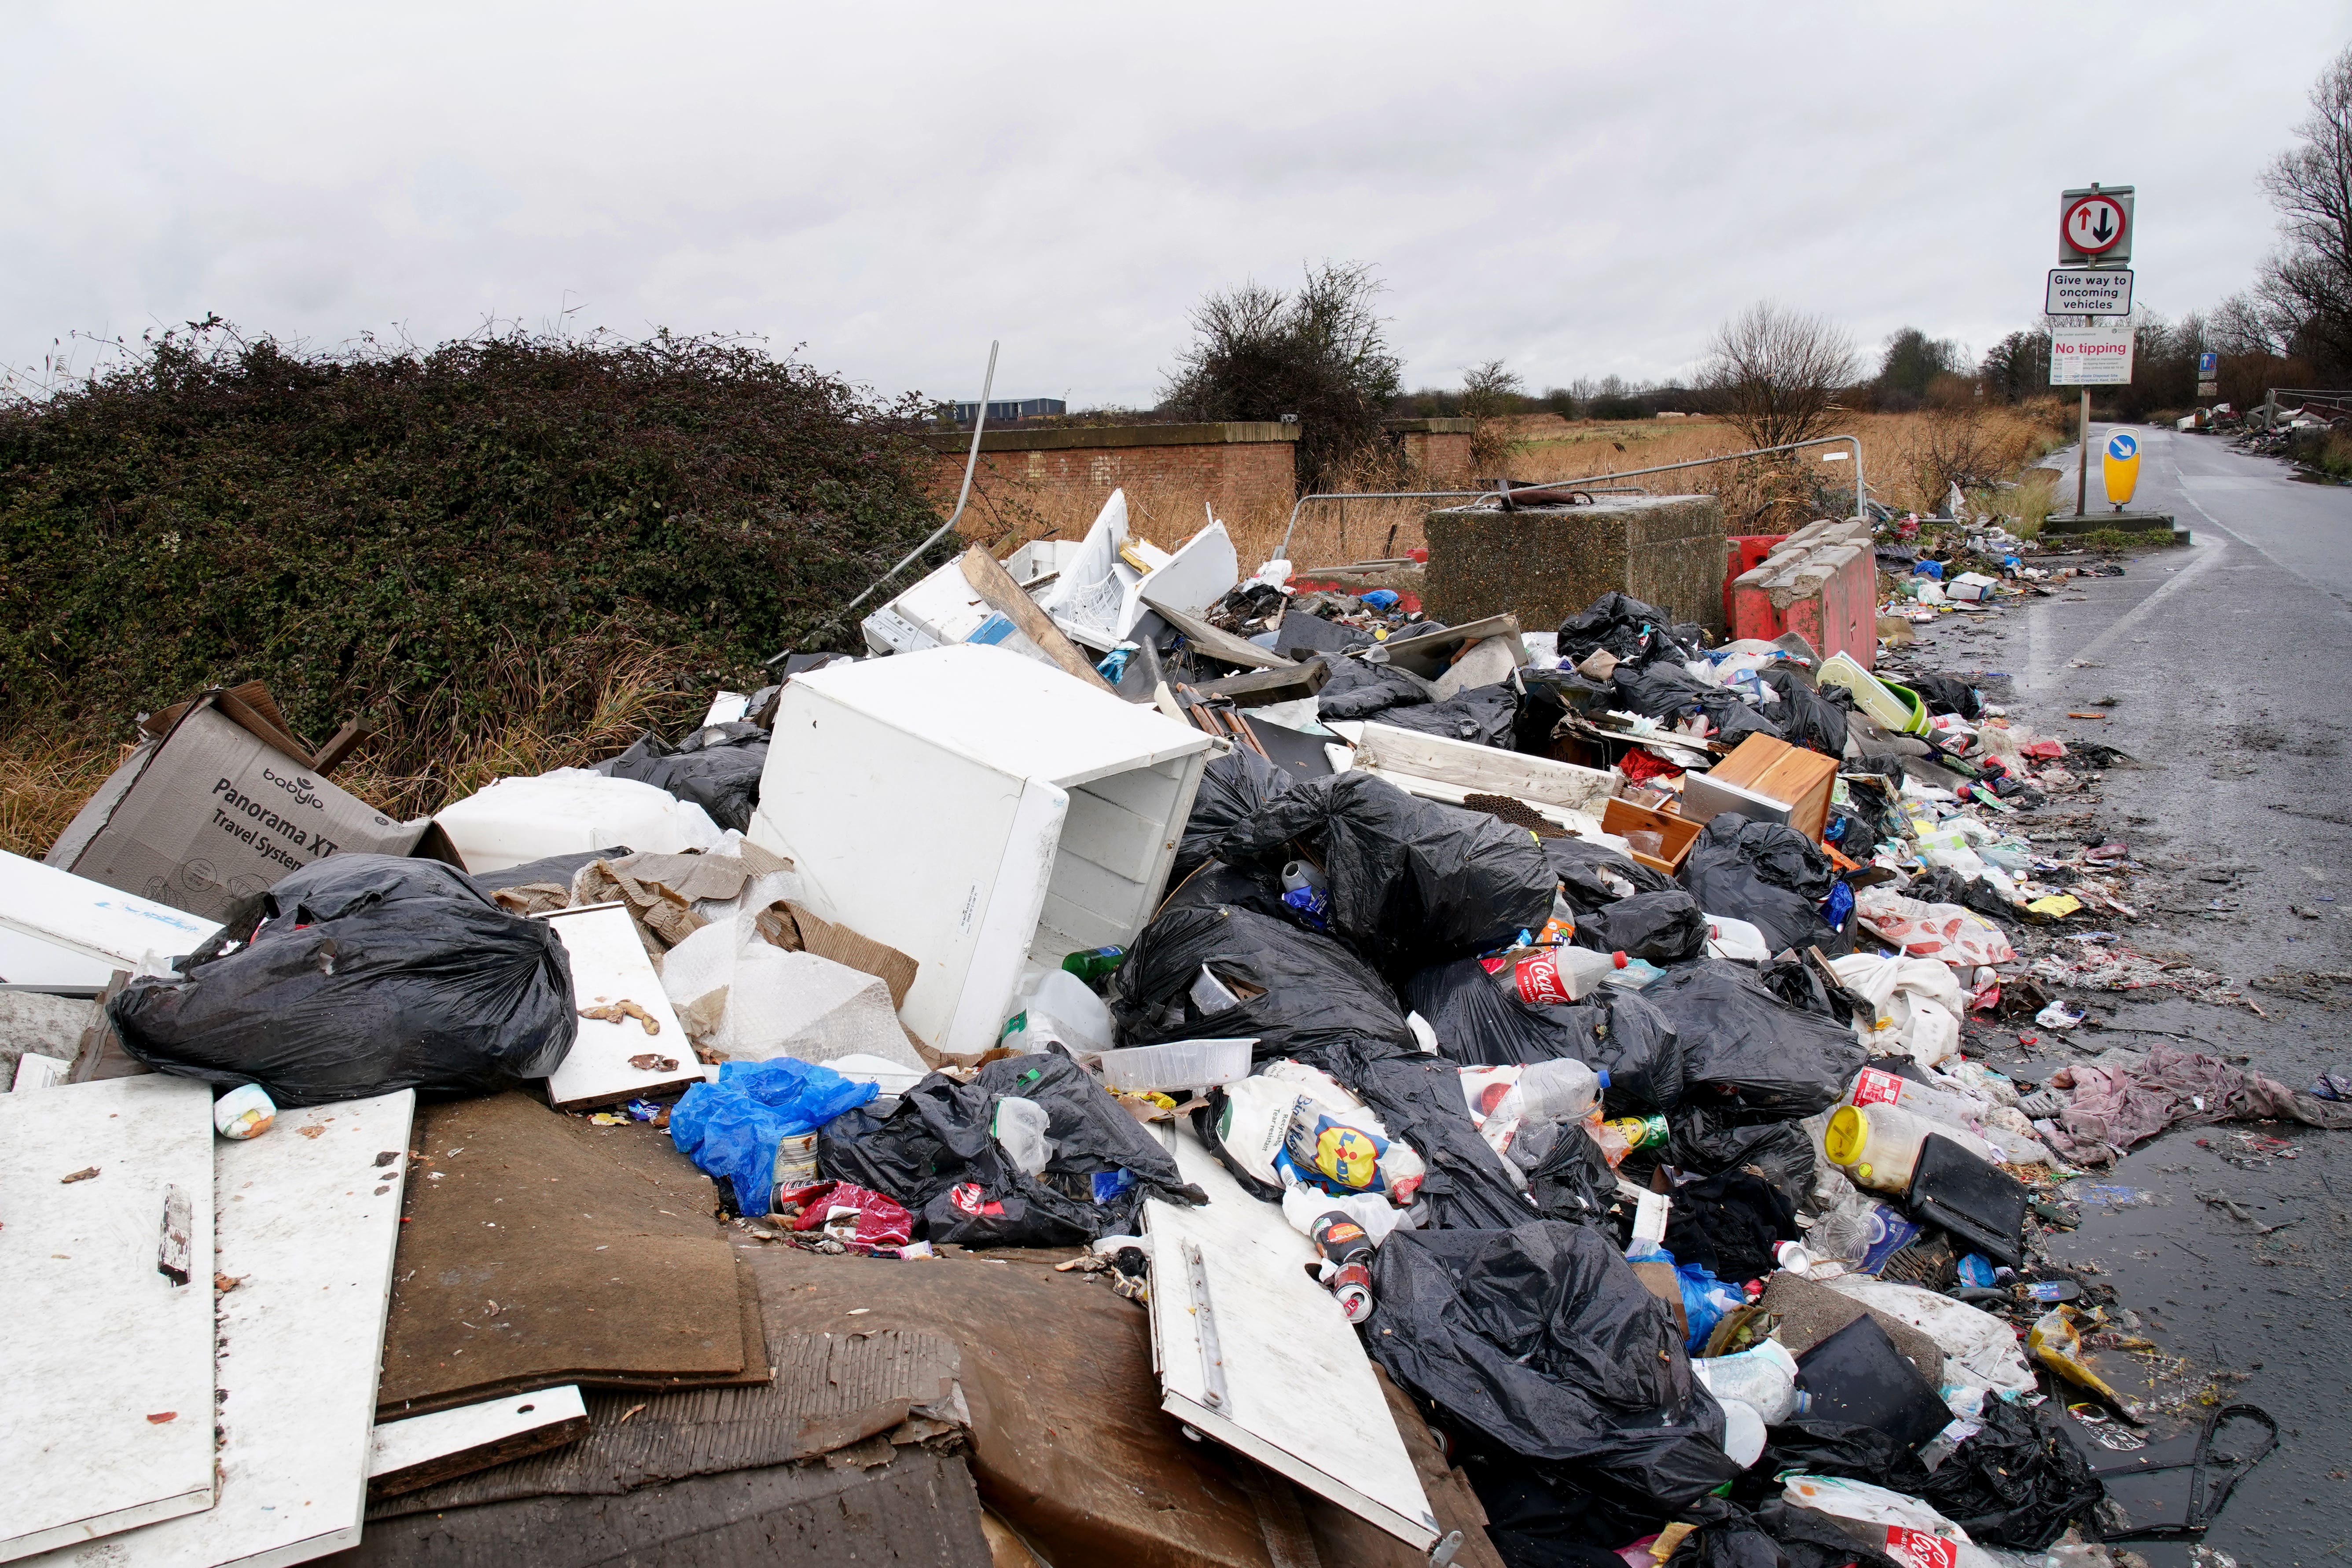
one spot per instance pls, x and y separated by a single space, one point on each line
2104 228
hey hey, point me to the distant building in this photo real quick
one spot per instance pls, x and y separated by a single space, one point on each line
1010 412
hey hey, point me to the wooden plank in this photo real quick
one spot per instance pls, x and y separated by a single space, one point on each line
1000 592
107 1421
422 1449
608 966
1298 1394
1484 768
1220 644
1260 688
308 1215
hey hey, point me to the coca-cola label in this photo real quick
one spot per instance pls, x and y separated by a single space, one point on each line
1875 1087
1917 1549
1538 977
973 1199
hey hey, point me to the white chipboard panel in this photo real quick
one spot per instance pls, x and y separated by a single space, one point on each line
308 1218
1293 1388
106 1417
609 965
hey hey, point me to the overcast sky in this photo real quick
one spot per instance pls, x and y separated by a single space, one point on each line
1579 191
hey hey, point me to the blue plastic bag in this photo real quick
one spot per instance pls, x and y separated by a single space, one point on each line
730 1129
1706 1299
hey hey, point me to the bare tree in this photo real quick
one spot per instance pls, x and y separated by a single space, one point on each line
1488 392
1775 374
2308 282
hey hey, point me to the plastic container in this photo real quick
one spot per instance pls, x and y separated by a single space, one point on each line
1633 974
1562 1090
244 1111
1876 1146
1956 1116
1019 1126
1743 1433
1072 1003
1857 1376
1736 939
1179 1064
1764 1378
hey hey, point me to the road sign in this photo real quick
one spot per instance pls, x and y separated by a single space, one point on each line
2095 227
2208 366
2096 355
2209 389
2089 291
2122 467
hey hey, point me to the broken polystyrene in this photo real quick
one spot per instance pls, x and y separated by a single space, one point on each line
569 812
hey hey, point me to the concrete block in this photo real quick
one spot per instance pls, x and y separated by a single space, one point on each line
1547 563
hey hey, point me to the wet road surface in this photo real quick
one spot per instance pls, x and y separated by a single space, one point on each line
2226 668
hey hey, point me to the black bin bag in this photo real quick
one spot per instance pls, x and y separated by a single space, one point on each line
2019 1481
717 768
936 1154
1592 876
1767 874
1540 1341
1663 927
1299 993
1413 882
356 976
1233 787
1746 1050
1480 1022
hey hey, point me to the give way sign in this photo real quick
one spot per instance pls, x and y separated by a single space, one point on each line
2094 225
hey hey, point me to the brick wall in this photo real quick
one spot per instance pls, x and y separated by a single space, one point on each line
1438 449
1245 469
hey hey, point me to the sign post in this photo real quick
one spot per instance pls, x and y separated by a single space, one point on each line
2208 375
2091 283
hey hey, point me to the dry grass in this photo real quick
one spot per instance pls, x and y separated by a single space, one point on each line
558 720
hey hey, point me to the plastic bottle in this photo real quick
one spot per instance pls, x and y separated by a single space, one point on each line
1555 973
1958 1115
1621 1136
1562 1090
1019 1125
1347 1254
1877 1145
1764 1378
1305 889
1096 965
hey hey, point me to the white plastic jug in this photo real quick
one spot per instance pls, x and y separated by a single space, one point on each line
1764 1378
1070 1003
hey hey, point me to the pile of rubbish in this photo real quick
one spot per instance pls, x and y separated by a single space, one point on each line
1485 1095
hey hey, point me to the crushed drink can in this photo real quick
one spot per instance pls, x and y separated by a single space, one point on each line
1343 1244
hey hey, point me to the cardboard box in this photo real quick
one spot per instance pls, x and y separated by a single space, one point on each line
219 802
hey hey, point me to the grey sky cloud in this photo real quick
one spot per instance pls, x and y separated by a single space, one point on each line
1577 190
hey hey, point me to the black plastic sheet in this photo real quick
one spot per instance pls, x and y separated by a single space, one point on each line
1233 788
2019 1481
1777 1536
1819 1447
1302 993
1947 694
1413 882
1540 1340
1484 716
936 1155
1727 1224
1358 690
1807 716
368 973
1663 690
1633 631
1550 696
1744 1048
1663 927
1708 1143
1772 876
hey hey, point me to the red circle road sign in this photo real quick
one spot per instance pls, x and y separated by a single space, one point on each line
2093 225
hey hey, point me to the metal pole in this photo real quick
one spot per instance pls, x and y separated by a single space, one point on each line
2083 459
971 461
